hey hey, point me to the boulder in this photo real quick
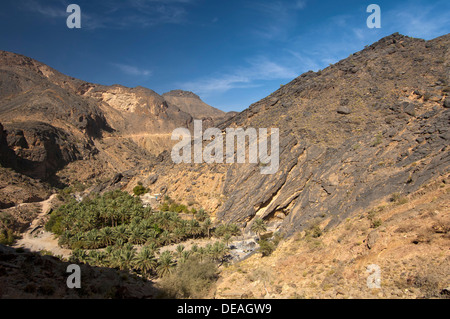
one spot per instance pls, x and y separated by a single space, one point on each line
447 102
152 179
342 109
372 239
410 109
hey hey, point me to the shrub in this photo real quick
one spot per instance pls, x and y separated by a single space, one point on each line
191 279
376 223
164 207
266 247
313 231
378 140
178 208
139 190
6 237
399 199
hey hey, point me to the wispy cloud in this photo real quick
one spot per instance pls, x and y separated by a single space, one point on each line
253 74
422 21
118 14
132 70
278 16
57 10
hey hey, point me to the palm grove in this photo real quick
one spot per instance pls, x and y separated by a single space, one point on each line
116 230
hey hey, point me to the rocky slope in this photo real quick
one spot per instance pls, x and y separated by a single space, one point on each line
59 129
351 135
405 241
192 104
367 132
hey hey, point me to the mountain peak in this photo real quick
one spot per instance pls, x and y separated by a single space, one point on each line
191 103
181 93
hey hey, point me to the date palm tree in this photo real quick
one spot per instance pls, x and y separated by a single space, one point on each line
227 238
165 264
127 258
193 227
153 247
137 237
122 232
185 255
234 230
165 238
145 261
106 236
201 215
207 226
259 227
179 251
179 233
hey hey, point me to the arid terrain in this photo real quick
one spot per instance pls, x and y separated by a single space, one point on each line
363 180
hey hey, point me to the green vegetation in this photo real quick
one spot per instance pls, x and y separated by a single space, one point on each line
139 190
6 229
223 230
374 222
191 279
313 231
259 227
115 230
6 237
266 247
378 140
201 215
169 205
119 218
399 199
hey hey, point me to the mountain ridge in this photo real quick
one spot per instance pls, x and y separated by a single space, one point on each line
361 113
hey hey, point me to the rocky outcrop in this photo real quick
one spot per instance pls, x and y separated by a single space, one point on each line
7 158
191 103
136 110
384 139
41 149
32 91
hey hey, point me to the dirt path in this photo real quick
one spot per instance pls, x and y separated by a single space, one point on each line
36 239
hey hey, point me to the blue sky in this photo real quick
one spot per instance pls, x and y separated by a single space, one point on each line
230 52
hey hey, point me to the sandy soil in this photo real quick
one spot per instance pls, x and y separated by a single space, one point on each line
36 239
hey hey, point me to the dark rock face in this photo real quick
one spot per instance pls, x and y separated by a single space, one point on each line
333 166
447 102
7 156
40 148
31 90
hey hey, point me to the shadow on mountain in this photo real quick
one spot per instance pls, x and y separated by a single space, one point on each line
28 275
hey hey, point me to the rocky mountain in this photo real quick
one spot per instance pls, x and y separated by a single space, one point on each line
351 136
362 137
192 104
54 125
